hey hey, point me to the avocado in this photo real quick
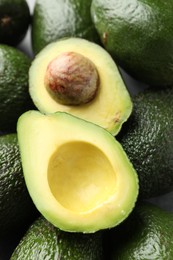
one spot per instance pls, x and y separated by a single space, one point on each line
147 140
79 77
56 19
44 241
17 210
77 174
14 94
138 34
15 19
146 234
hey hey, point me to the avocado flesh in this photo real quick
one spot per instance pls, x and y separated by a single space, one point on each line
16 208
77 174
138 34
44 241
89 188
112 104
14 21
146 234
14 94
56 19
147 140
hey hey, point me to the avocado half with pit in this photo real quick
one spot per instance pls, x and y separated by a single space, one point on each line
79 77
77 174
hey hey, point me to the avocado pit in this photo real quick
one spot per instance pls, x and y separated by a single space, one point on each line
72 79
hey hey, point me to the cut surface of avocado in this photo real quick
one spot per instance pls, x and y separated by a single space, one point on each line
109 106
77 174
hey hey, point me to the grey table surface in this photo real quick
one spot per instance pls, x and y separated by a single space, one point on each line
166 201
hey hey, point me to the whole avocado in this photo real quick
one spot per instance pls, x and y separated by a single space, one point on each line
139 35
15 19
44 241
146 234
17 210
14 94
147 138
56 19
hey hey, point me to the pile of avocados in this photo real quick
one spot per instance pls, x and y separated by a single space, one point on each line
81 156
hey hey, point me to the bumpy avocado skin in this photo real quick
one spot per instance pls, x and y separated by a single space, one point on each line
14 94
139 35
147 139
146 234
16 207
15 19
44 241
56 19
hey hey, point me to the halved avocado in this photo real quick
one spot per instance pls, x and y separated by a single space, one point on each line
77 174
109 106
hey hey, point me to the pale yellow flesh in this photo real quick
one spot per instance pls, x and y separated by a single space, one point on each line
112 104
76 172
80 176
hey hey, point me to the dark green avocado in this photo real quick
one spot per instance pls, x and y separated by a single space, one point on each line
147 138
16 208
139 35
146 234
56 19
15 19
44 241
14 94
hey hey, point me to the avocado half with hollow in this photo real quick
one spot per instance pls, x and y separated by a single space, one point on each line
77 174
79 77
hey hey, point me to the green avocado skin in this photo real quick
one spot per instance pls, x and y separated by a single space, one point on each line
56 19
14 21
44 241
14 94
139 35
147 138
16 207
146 234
